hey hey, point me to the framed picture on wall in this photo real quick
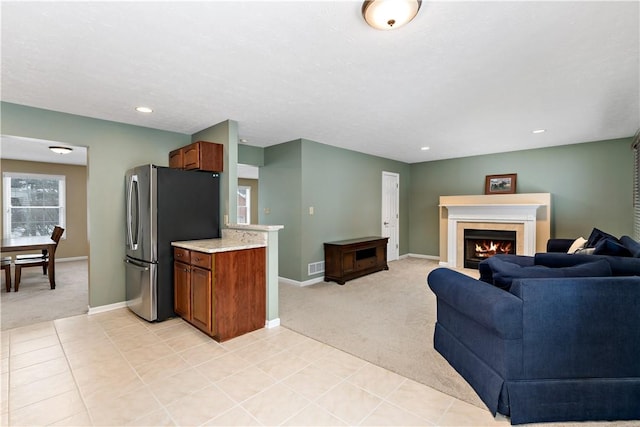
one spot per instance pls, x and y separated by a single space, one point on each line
500 184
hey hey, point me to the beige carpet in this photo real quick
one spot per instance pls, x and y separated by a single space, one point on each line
37 302
386 318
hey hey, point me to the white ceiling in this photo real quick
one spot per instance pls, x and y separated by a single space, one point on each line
464 78
37 150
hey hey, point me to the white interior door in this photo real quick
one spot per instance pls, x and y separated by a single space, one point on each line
390 209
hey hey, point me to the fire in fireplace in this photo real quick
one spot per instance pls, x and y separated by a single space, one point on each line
482 244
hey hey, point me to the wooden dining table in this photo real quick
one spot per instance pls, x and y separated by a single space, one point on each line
32 243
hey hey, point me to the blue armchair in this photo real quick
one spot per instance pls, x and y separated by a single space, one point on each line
548 349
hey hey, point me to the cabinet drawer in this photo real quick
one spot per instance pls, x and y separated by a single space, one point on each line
365 263
201 259
181 255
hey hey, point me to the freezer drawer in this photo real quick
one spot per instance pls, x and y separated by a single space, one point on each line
141 280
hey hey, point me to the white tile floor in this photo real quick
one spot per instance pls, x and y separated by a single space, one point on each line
116 369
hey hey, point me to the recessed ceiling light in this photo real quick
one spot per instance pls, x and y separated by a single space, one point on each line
144 110
539 131
425 148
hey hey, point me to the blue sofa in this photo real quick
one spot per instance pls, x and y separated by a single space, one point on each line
544 349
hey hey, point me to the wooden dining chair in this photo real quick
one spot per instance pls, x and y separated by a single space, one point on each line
56 234
36 260
6 266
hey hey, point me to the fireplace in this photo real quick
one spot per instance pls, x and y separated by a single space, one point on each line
518 212
482 244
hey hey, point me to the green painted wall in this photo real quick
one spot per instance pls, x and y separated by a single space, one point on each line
343 187
248 155
280 187
225 133
112 149
591 186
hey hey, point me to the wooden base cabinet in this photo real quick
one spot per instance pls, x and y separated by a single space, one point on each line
182 289
223 294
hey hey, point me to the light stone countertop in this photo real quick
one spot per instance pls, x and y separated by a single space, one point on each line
216 245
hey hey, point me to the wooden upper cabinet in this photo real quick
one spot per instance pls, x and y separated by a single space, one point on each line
175 159
201 155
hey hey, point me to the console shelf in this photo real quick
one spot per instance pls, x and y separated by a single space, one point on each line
348 259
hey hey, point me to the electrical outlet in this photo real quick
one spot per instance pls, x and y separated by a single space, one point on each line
267 211
310 210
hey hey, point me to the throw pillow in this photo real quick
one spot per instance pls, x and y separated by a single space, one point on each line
597 235
610 246
507 273
631 245
577 244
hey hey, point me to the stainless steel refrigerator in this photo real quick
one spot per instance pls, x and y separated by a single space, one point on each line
164 205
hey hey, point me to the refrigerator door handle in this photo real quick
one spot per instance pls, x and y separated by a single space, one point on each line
133 184
136 264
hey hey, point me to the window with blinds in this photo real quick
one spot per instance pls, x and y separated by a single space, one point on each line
635 145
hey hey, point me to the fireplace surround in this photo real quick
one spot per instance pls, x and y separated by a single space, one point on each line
527 215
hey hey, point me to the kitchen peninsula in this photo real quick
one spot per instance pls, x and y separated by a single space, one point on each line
227 287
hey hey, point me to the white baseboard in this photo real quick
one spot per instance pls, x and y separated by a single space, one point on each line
74 258
432 257
297 283
272 323
108 307
321 279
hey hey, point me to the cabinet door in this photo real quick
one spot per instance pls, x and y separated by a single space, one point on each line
201 299
348 261
191 156
182 290
240 286
175 159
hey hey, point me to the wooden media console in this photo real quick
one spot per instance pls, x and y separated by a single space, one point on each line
348 259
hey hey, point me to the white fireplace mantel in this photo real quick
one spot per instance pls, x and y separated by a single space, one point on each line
520 213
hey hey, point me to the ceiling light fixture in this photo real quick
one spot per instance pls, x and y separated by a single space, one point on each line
539 131
61 150
144 110
389 14
424 148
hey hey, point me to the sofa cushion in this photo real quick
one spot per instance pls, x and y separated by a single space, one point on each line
609 246
597 235
504 273
632 246
486 266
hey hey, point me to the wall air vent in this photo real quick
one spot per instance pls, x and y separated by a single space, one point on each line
316 268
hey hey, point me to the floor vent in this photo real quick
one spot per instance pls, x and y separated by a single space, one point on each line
316 267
